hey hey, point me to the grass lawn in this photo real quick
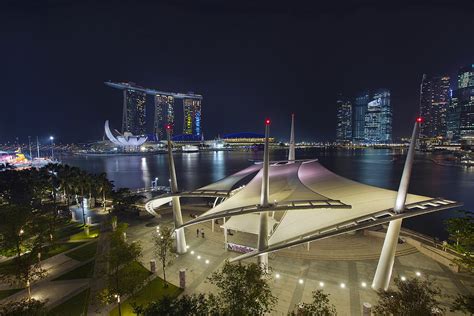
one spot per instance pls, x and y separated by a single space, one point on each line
150 292
7 293
75 306
68 229
84 253
83 272
93 233
59 248
48 252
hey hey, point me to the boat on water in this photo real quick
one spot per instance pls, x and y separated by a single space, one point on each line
189 149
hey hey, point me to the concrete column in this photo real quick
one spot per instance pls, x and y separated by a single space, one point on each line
177 216
263 225
307 246
291 152
212 225
387 256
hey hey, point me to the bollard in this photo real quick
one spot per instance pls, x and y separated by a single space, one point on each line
182 278
153 266
366 309
124 236
89 220
73 216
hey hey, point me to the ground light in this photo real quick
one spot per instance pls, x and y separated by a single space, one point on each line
418 273
207 261
199 257
403 278
277 276
192 252
300 281
343 285
363 284
321 284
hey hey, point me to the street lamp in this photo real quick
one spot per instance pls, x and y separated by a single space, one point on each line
51 138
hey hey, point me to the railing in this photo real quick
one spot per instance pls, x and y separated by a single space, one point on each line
151 189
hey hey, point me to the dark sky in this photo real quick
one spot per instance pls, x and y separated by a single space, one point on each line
249 59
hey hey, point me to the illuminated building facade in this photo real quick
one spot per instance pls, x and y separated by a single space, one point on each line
434 103
192 117
383 98
164 114
134 99
358 117
344 120
134 107
461 108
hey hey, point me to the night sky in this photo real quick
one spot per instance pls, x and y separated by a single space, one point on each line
249 59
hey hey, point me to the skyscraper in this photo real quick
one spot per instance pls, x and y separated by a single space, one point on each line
164 114
192 117
133 117
434 103
378 118
461 108
358 117
344 120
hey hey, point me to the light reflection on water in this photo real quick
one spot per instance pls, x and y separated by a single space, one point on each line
377 167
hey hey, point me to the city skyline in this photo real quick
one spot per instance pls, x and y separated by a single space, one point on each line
272 65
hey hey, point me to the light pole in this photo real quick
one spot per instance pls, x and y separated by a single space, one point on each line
51 138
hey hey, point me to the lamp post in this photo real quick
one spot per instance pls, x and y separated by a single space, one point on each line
51 138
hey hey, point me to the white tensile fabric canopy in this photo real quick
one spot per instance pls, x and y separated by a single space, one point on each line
248 223
314 200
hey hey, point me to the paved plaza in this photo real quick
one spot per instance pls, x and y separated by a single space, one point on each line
343 266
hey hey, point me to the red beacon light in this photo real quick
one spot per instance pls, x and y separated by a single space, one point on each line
419 119
267 122
168 126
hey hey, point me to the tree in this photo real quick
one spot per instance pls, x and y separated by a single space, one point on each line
123 200
412 297
464 303
461 233
163 247
243 289
122 277
320 306
22 236
24 307
185 305
105 187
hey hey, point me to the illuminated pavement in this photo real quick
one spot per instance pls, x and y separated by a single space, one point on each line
343 266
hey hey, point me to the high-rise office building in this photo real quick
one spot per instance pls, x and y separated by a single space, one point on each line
164 114
344 120
133 117
434 103
192 117
378 118
358 117
461 108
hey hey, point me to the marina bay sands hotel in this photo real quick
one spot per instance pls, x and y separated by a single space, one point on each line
134 110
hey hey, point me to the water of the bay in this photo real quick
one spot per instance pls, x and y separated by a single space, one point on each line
378 167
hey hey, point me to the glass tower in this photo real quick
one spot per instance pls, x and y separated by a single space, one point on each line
344 120
164 114
358 117
461 108
192 117
434 103
378 118
133 119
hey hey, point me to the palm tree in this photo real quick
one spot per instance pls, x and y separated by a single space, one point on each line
105 186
